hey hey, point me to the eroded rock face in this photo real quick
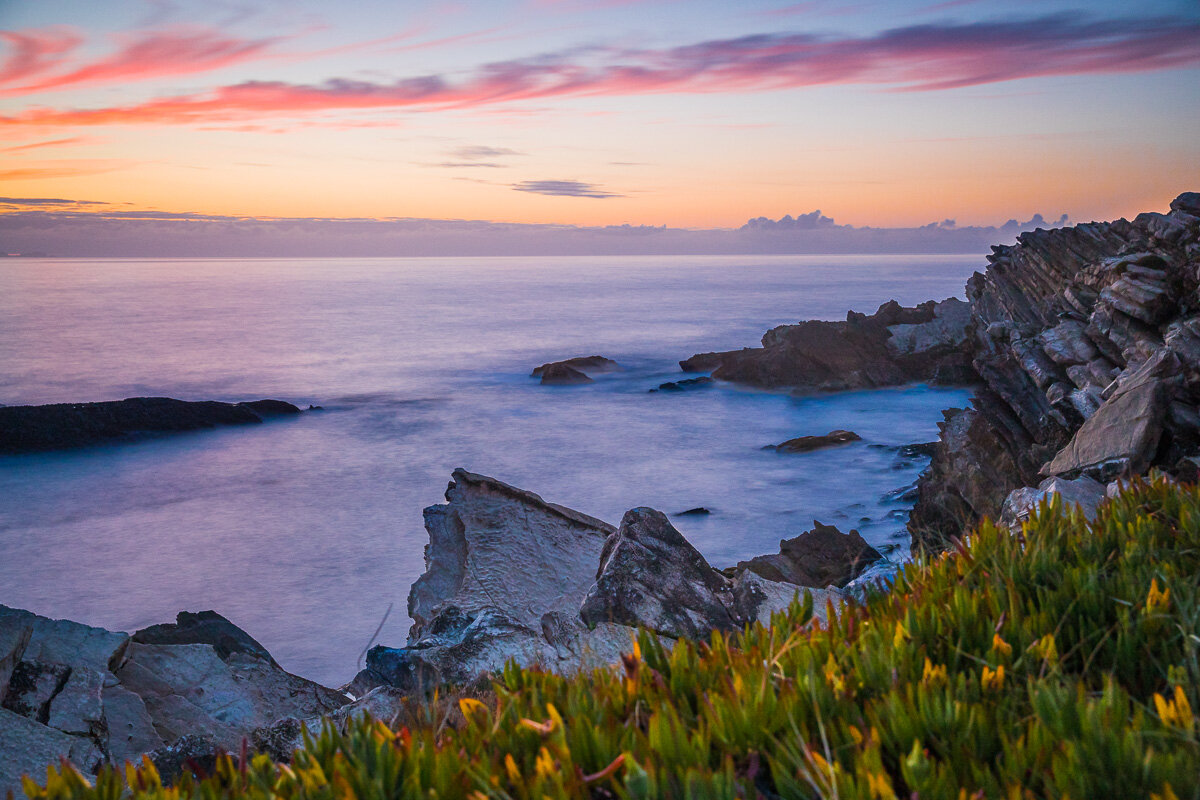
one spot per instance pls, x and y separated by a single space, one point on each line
1088 343
26 429
821 557
893 346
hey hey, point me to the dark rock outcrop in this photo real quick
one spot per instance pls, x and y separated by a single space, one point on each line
27 429
1087 340
821 557
573 370
805 444
893 346
98 697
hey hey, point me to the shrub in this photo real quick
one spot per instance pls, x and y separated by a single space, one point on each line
1060 662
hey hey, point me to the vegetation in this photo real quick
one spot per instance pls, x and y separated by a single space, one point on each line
1061 662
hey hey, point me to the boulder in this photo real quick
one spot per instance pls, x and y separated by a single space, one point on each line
26 429
584 364
651 576
818 558
62 641
805 444
1084 493
27 748
756 598
131 731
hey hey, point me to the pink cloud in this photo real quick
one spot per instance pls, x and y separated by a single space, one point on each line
916 58
32 52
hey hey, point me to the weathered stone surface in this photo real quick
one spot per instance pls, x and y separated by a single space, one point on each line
821 557
66 642
805 444
14 638
756 598
32 686
130 730
77 708
583 364
651 576
189 689
26 429
895 345
1083 492
26 748
1088 345
204 627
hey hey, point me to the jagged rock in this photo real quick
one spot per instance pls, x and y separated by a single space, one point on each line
895 345
25 429
581 363
702 382
204 627
805 444
1083 492
651 576
1087 343
821 557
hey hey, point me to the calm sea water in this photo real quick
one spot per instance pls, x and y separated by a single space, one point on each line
304 530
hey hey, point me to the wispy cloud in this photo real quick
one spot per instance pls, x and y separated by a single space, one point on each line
564 189
47 202
915 58
65 142
141 55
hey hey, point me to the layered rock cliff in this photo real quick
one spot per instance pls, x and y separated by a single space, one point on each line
1087 340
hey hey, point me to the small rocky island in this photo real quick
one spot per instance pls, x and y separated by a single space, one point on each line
30 429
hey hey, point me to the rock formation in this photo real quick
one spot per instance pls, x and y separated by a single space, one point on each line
703 382
510 576
821 557
805 444
95 697
1087 340
893 346
573 370
26 429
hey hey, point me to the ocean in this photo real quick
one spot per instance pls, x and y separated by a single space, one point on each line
304 530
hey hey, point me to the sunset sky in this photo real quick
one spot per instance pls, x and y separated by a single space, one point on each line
597 112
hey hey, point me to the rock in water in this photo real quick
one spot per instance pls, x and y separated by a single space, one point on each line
805 444
703 382
651 576
27 429
895 345
821 557
573 370
1088 345
563 375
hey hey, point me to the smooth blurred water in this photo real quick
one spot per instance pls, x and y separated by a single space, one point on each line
303 530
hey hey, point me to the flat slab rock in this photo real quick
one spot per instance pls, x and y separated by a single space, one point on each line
28 429
806 444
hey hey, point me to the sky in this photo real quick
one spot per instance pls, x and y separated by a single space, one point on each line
691 115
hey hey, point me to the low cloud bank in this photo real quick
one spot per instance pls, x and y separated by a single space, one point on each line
60 231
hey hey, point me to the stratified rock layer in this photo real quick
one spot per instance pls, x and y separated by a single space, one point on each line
1088 342
27 429
893 346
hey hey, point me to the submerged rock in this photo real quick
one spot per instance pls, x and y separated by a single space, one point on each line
702 382
893 346
805 444
27 429
573 371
